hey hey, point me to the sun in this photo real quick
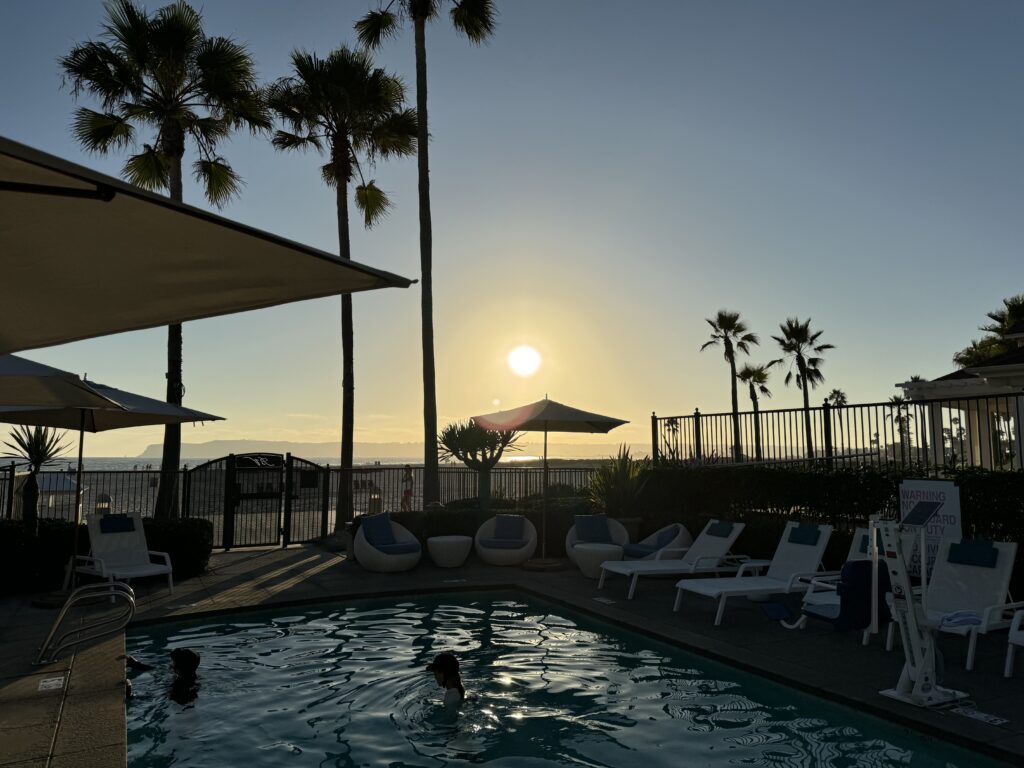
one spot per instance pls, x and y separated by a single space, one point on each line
524 360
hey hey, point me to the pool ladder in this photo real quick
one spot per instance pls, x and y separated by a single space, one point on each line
88 630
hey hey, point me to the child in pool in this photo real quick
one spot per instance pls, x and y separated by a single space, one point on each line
446 672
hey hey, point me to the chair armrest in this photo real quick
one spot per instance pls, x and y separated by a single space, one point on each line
829 583
92 562
663 550
993 613
161 556
1018 620
796 578
752 565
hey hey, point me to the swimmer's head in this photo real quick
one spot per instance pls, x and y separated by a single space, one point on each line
185 661
445 667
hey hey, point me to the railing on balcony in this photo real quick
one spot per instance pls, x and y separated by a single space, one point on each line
980 432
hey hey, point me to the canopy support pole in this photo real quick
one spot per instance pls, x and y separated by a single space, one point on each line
544 504
78 500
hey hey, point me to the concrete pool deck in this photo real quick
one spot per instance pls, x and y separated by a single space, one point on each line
80 721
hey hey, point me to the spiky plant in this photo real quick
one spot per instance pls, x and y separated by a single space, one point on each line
478 448
476 19
345 107
163 74
36 447
804 350
729 331
617 483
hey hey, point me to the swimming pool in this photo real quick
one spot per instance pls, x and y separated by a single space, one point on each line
345 685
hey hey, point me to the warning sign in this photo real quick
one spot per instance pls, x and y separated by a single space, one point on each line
935 504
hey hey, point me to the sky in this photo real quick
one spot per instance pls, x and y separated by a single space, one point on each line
604 177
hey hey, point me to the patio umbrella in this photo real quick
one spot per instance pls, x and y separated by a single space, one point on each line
547 416
25 382
103 257
125 409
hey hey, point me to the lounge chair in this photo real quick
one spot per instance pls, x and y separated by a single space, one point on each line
708 554
383 546
119 551
967 592
594 529
672 538
1016 638
506 540
798 555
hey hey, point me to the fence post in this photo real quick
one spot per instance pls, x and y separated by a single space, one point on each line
230 499
826 428
286 529
10 491
325 501
186 493
698 446
654 438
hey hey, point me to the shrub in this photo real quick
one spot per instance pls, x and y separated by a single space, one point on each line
16 556
188 540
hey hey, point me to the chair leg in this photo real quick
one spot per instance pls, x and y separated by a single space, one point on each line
890 635
632 586
679 599
67 574
721 609
1008 666
170 584
865 637
972 647
600 581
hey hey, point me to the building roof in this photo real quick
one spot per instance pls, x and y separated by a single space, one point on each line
961 374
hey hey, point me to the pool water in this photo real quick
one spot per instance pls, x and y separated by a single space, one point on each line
345 685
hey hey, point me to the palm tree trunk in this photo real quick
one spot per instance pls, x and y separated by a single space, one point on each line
736 452
344 508
757 424
431 484
808 434
170 459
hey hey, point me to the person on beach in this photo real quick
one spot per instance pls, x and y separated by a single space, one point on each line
407 483
446 672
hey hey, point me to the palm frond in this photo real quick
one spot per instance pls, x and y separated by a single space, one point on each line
284 140
394 135
372 202
218 179
101 131
148 169
476 19
376 27
36 446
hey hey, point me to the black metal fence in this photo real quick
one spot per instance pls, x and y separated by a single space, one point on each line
981 432
270 503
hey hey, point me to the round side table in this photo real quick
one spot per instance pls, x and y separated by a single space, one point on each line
589 557
449 551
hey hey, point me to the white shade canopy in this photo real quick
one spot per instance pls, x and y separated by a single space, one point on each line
87 255
26 382
548 416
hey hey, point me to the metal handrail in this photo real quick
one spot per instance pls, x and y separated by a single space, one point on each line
89 630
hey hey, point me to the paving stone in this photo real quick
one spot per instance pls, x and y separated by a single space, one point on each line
103 757
90 721
22 744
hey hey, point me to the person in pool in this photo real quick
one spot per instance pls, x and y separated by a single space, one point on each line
446 672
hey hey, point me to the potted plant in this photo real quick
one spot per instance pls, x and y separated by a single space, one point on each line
35 447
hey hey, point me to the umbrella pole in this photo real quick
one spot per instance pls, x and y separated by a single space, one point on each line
544 505
78 500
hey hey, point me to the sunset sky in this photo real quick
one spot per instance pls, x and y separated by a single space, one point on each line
604 176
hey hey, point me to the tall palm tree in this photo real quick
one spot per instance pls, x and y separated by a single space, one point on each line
756 379
37 447
804 351
837 399
162 73
476 20
901 418
728 330
355 113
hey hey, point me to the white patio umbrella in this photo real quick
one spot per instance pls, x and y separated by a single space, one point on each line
125 409
26 382
103 257
547 416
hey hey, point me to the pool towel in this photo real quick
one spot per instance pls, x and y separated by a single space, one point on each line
961 619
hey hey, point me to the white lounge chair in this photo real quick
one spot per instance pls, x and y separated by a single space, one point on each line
506 540
708 554
594 532
798 555
383 546
667 541
1016 638
967 592
119 551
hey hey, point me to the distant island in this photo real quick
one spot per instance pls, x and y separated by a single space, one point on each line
412 452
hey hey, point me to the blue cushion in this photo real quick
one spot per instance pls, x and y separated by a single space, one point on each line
117 524
973 552
805 533
509 527
664 538
720 529
502 543
593 529
639 550
377 530
398 548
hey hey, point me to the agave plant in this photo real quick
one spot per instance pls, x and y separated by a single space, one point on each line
478 449
35 447
617 483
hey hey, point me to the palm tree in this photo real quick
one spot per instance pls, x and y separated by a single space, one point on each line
802 348
355 113
1004 320
756 379
479 449
161 72
728 330
837 399
901 417
36 447
476 20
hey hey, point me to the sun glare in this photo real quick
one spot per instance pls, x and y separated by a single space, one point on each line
524 360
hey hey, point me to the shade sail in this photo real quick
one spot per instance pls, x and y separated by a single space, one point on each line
87 255
548 416
26 382
131 410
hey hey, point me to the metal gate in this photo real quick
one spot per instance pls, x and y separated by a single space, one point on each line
258 499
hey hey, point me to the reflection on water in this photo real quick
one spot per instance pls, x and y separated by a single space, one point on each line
349 688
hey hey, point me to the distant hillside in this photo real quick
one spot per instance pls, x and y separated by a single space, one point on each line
374 451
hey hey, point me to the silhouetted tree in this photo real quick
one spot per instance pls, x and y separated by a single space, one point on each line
803 349
729 331
756 379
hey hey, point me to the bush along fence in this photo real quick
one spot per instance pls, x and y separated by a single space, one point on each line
965 432
765 497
